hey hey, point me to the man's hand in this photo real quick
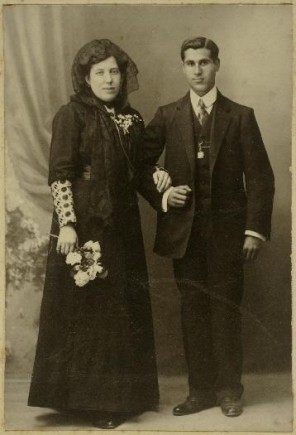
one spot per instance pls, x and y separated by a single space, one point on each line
162 180
67 240
179 196
251 248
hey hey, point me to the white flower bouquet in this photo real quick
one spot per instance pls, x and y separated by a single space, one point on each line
86 263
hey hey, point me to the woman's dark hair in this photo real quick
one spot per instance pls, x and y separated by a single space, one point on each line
200 42
96 51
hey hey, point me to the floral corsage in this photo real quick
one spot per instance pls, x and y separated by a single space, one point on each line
125 122
86 262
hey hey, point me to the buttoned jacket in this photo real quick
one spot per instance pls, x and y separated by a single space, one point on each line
241 177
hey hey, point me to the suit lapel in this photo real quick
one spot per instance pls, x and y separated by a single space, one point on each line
183 119
221 119
184 124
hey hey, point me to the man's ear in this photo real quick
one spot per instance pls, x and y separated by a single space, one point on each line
217 63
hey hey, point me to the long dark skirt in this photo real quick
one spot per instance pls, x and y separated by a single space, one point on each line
95 348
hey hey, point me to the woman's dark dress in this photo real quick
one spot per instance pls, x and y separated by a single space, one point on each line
95 347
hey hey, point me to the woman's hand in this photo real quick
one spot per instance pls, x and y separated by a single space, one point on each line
67 240
162 180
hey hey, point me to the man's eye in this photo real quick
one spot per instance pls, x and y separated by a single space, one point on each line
189 63
204 62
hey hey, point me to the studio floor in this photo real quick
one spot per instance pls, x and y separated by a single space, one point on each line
268 407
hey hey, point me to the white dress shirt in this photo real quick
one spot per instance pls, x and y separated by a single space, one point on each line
209 99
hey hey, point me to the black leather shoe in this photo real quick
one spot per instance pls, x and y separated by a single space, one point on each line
231 406
194 404
109 421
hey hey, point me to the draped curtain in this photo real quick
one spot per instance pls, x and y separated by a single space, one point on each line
33 63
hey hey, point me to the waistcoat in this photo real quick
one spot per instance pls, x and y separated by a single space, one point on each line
202 136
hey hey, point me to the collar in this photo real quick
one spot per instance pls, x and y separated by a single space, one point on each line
209 98
110 109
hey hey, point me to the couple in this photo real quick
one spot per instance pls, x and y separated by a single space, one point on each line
95 351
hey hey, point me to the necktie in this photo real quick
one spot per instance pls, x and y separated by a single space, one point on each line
202 114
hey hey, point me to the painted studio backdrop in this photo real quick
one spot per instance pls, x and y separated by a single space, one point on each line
256 70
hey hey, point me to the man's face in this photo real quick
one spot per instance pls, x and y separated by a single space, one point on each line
200 70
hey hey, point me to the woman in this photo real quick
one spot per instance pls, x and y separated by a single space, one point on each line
95 348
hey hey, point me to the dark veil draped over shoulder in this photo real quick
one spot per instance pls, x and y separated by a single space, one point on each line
100 129
97 51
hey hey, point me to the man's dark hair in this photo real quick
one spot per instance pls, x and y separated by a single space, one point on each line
200 42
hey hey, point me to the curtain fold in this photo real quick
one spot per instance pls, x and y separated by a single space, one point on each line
35 86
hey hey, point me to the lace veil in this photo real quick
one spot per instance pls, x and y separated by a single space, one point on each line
97 51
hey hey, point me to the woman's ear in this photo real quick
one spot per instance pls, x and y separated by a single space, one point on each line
87 80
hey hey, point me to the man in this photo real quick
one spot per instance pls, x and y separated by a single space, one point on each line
215 216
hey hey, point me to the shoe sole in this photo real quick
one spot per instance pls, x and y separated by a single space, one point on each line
234 414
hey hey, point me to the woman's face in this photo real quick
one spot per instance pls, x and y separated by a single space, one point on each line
105 79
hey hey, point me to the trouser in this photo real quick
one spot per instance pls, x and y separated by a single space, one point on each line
210 281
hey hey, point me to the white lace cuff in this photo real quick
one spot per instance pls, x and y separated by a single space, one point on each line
63 201
164 202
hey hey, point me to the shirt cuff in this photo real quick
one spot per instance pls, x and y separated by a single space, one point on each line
254 234
164 202
159 168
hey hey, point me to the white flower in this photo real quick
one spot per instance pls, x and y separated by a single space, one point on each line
96 255
126 121
89 244
88 255
98 268
81 278
73 258
96 247
92 271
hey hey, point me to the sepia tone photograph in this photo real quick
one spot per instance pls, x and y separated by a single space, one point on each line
148 217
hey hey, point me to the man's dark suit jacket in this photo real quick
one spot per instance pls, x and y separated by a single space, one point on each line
242 181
